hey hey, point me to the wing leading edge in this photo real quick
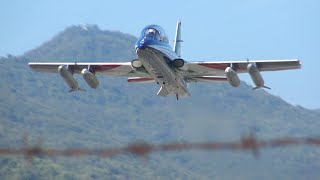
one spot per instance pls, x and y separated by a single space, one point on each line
217 68
193 72
111 69
228 70
88 71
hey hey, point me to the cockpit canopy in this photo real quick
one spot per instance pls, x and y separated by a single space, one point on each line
155 32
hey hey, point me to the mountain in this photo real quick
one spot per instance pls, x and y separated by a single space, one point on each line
118 113
85 43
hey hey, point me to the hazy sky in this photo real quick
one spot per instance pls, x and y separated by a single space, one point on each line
212 30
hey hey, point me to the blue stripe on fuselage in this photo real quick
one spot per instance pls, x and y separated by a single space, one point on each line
163 47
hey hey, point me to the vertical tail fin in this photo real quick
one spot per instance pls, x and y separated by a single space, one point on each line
178 40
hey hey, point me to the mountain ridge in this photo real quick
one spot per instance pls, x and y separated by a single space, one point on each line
93 39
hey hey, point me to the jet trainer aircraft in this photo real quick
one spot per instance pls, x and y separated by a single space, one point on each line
158 62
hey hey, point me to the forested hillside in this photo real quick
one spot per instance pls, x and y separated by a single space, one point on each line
118 113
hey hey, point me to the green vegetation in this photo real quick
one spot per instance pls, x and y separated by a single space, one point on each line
118 113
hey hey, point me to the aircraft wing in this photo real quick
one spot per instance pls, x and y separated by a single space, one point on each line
111 69
217 68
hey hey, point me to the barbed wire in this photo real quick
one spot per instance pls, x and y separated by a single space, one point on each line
247 143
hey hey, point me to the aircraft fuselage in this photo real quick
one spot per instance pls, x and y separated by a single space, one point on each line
157 56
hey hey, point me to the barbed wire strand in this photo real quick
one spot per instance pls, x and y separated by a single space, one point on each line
247 143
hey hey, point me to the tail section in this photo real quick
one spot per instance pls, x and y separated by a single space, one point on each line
178 40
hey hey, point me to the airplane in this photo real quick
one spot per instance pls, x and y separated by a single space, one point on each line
157 62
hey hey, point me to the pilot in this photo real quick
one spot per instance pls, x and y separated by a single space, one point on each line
153 33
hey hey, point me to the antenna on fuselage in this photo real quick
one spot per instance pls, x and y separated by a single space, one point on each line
178 40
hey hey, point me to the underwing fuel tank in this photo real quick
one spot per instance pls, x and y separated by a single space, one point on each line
232 77
90 78
68 78
256 76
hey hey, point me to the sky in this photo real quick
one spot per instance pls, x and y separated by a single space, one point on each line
211 30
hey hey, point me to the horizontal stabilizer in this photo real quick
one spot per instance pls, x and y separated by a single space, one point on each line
208 79
140 80
266 87
79 89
